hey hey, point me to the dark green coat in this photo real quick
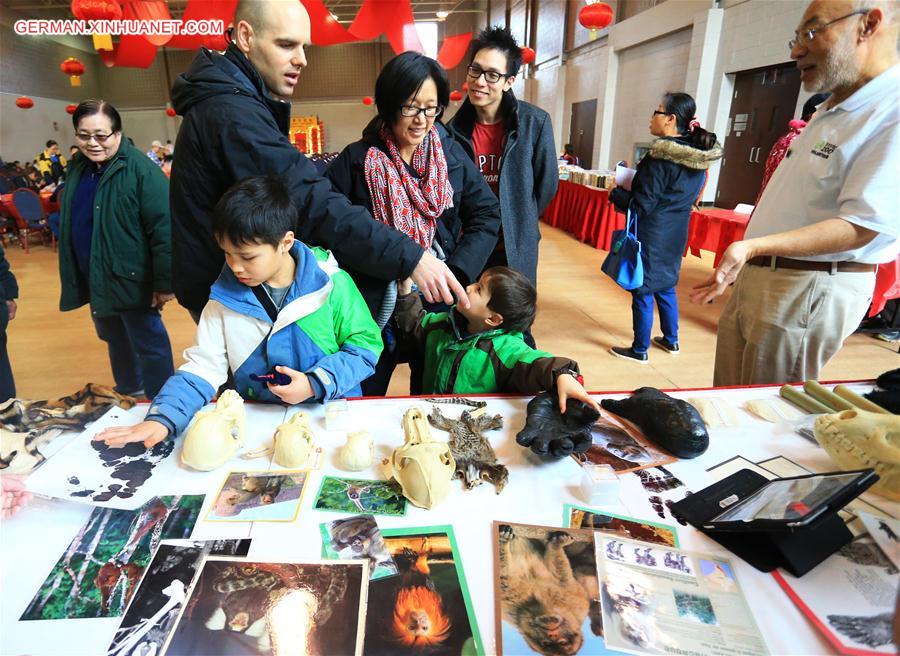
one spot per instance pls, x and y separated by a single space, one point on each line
131 244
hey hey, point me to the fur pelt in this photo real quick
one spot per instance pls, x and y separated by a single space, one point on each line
680 153
26 425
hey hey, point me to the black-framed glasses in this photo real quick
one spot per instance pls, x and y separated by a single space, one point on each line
803 37
410 111
656 111
85 137
491 77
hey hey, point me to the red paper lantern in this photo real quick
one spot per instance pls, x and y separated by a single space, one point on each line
456 96
24 102
98 10
528 55
70 109
171 112
465 86
595 17
368 100
74 69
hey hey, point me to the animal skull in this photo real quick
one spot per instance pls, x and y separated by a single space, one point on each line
423 466
216 434
293 441
357 453
857 439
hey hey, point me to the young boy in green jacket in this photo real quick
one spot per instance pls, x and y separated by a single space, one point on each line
481 349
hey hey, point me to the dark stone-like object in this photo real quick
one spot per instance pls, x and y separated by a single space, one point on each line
673 424
548 432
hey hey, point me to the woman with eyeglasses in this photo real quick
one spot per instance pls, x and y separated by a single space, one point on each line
115 248
667 183
412 176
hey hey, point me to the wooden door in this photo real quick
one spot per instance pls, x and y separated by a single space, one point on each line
761 106
581 130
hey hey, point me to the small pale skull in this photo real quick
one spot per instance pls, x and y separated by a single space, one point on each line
423 466
293 441
357 454
216 435
856 439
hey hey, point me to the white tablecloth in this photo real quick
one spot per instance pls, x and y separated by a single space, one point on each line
34 540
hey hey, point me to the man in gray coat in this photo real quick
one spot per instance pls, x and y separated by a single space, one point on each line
511 142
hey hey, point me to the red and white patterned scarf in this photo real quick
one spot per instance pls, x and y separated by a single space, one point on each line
406 203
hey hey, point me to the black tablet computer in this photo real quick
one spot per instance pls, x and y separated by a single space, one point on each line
790 503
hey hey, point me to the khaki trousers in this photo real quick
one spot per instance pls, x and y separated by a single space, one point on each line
784 325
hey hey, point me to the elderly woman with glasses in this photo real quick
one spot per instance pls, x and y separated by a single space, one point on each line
412 176
115 248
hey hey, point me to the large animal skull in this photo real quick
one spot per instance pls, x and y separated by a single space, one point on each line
293 441
423 466
856 439
216 434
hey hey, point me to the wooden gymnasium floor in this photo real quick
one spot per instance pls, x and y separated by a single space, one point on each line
582 313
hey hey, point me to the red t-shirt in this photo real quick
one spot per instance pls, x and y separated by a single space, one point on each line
487 141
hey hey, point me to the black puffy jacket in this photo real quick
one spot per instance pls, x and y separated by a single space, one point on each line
466 232
233 129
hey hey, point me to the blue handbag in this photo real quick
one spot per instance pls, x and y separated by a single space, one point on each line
623 264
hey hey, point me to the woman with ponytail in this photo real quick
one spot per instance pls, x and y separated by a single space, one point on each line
667 182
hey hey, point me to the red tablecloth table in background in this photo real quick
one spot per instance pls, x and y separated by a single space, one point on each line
584 212
714 230
887 285
9 209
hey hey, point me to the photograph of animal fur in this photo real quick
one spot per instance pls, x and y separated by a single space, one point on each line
154 607
277 609
618 443
101 568
425 609
355 538
259 497
548 597
353 495
626 527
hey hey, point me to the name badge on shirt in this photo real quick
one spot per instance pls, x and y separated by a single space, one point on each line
823 149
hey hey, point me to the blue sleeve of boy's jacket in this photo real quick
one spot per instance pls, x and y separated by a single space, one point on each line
179 400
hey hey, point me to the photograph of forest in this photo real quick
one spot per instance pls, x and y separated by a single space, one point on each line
360 496
103 564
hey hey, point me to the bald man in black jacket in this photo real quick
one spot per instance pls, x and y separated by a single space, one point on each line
236 118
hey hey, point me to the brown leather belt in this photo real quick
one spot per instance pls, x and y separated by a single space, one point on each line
806 265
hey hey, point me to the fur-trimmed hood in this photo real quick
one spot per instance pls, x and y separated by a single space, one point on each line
683 153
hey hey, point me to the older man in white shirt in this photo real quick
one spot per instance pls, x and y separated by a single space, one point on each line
804 274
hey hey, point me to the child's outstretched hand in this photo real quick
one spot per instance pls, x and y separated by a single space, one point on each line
568 387
404 287
148 432
12 495
297 391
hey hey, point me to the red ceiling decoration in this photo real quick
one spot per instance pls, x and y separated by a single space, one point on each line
528 55
595 17
24 102
74 69
392 18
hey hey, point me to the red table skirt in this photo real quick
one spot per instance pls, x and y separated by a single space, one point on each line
585 213
714 230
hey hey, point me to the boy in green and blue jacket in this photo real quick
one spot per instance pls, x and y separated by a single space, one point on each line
277 305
